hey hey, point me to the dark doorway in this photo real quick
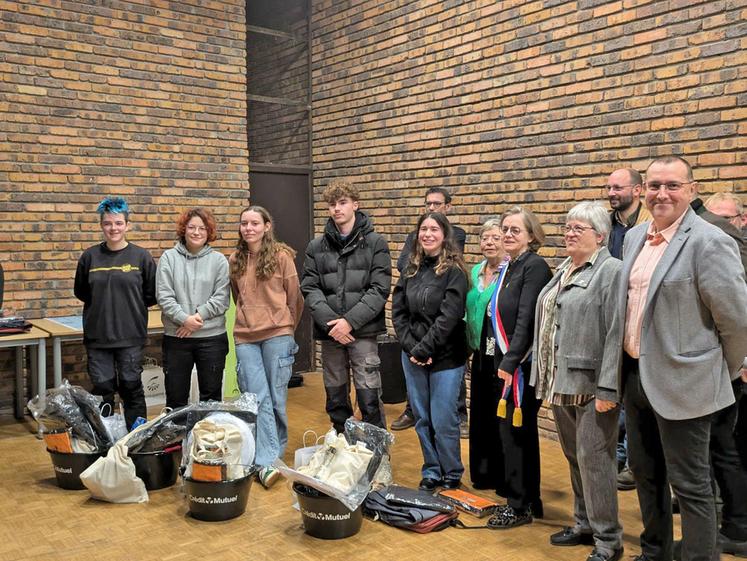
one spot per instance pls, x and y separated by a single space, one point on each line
286 196
279 129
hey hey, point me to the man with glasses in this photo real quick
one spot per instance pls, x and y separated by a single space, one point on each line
624 188
721 221
683 301
437 199
727 206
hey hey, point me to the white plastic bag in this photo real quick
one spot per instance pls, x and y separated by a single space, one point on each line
113 478
115 424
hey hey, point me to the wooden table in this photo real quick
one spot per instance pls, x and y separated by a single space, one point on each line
34 337
60 332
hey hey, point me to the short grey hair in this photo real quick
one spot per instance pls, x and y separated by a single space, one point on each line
595 215
718 197
490 224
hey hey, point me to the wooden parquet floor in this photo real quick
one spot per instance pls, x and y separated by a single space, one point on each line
41 522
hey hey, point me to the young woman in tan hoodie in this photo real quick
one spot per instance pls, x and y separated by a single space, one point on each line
265 287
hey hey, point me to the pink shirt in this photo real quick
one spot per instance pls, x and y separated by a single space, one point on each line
640 278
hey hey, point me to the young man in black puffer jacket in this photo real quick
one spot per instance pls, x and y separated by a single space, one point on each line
346 281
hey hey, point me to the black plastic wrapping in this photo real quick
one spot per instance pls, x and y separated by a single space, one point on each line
174 426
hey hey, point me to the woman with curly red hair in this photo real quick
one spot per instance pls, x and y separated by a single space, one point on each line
265 286
193 292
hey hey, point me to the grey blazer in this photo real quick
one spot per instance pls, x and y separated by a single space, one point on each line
587 339
694 331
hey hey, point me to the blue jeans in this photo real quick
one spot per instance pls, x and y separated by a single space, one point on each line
264 369
433 397
622 442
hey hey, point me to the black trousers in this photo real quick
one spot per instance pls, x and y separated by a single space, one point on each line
181 354
740 432
728 470
663 452
120 371
486 468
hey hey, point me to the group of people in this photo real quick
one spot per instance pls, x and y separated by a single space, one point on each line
647 315
192 283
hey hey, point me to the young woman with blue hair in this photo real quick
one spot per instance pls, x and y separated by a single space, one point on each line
116 281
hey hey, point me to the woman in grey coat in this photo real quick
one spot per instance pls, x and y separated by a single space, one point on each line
194 293
576 356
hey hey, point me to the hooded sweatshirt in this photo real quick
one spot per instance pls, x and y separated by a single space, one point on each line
187 283
266 308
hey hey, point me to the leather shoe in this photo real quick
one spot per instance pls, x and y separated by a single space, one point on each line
597 555
404 421
625 480
570 536
733 547
428 484
451 483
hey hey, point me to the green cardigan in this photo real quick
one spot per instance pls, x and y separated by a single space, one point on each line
477 303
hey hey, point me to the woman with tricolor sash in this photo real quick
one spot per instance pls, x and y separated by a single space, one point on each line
510 314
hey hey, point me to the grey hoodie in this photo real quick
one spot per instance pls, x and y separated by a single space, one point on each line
186 283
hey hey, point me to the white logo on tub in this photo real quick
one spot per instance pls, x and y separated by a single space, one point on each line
63 470
325 517
214 500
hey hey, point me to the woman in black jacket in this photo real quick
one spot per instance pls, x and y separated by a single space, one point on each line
511 319
427 313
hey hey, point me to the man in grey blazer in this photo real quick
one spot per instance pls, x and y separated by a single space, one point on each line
684 302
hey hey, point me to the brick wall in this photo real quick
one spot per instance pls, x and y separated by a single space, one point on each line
522 102
278 67
144 99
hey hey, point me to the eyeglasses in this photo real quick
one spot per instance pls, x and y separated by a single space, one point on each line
672 186
434 204
576 229
513 230
191 228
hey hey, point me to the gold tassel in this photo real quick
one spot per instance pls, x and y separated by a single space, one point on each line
517 420
501 409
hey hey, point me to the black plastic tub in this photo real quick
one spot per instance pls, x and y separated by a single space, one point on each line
325 517
214 501
157 469
68 467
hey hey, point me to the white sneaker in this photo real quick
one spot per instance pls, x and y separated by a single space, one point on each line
268 476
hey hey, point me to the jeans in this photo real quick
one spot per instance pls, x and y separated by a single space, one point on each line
264 369
180 354
119 370
622 442
433 396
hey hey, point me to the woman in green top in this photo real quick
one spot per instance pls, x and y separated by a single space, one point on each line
484 460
